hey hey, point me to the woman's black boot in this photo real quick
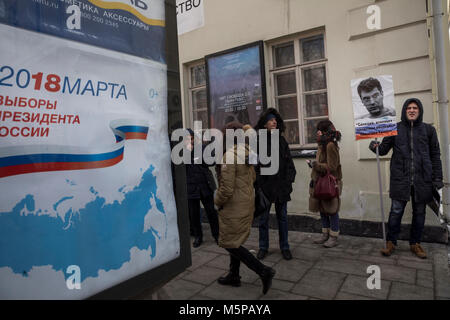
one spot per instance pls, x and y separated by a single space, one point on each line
266 278
230 279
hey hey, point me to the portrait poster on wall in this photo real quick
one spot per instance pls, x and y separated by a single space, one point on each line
236 85
85 170
373 107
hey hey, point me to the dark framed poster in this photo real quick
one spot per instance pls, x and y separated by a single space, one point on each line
235 81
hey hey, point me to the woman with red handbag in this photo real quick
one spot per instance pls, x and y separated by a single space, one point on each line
326 174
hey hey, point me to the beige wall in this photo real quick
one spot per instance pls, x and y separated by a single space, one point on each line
400 49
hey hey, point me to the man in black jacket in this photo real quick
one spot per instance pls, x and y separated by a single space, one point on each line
277 187
415 170
200 187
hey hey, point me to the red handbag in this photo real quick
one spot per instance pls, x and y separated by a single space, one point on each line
326 187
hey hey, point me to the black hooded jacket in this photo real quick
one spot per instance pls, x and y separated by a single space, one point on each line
277 187
416 158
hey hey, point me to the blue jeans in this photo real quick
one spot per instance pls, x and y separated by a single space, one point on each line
281 211
330 222
395 220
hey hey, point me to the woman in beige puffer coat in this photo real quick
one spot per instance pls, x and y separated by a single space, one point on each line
235 199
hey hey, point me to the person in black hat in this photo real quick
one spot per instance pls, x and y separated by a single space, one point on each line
278 187
416 169
200 187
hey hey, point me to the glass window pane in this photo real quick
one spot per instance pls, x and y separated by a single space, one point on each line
291 132
288 108
284 55
203 117
199 99
286 83
316 105
198 75
314 78
311 130
312 49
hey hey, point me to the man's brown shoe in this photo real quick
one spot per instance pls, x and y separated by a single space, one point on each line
390 247
418 251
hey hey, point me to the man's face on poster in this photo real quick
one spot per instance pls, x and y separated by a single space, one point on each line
373 101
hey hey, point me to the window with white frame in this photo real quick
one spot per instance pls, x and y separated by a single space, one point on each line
197 94
299 76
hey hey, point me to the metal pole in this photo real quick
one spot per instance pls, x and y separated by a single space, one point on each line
381 195
441 69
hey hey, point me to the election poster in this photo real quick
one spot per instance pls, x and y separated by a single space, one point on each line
236 85
86 197
373 107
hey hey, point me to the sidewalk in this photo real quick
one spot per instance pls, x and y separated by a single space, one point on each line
316 272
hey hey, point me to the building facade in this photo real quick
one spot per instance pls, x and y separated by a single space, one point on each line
312 51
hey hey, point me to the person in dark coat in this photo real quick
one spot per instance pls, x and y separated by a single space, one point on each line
277 188
416 169
200 187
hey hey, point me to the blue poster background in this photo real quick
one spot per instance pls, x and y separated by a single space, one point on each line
49 16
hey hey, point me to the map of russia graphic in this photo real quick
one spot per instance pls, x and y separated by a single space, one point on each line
104 233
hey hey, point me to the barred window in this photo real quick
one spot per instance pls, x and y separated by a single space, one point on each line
299 76
197 94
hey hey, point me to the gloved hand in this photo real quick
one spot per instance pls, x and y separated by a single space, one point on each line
438 184
373 146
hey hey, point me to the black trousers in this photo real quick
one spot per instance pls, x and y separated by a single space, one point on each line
195 219
242 254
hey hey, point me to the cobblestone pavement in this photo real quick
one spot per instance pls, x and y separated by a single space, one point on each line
316 272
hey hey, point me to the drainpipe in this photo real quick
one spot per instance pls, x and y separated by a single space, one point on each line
441 69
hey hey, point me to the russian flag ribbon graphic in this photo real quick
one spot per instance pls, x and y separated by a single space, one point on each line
17 160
